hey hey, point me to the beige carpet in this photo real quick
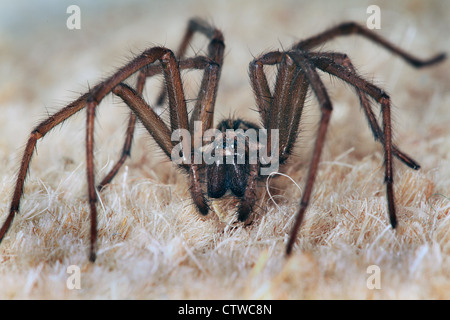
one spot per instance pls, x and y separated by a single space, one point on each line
152 244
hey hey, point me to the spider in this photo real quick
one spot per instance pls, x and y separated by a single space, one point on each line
280 110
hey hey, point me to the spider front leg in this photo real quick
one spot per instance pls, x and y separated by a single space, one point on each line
178 113
203 112
198 62
215 52
283 110
308 69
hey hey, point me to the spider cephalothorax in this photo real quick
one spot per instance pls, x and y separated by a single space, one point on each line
230 171
225 168
234 164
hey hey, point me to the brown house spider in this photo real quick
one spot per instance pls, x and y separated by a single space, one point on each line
280 110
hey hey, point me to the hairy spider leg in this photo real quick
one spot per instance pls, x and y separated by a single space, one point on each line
343 60
215 53
385 135
283 109
326 108
90 100
350 28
